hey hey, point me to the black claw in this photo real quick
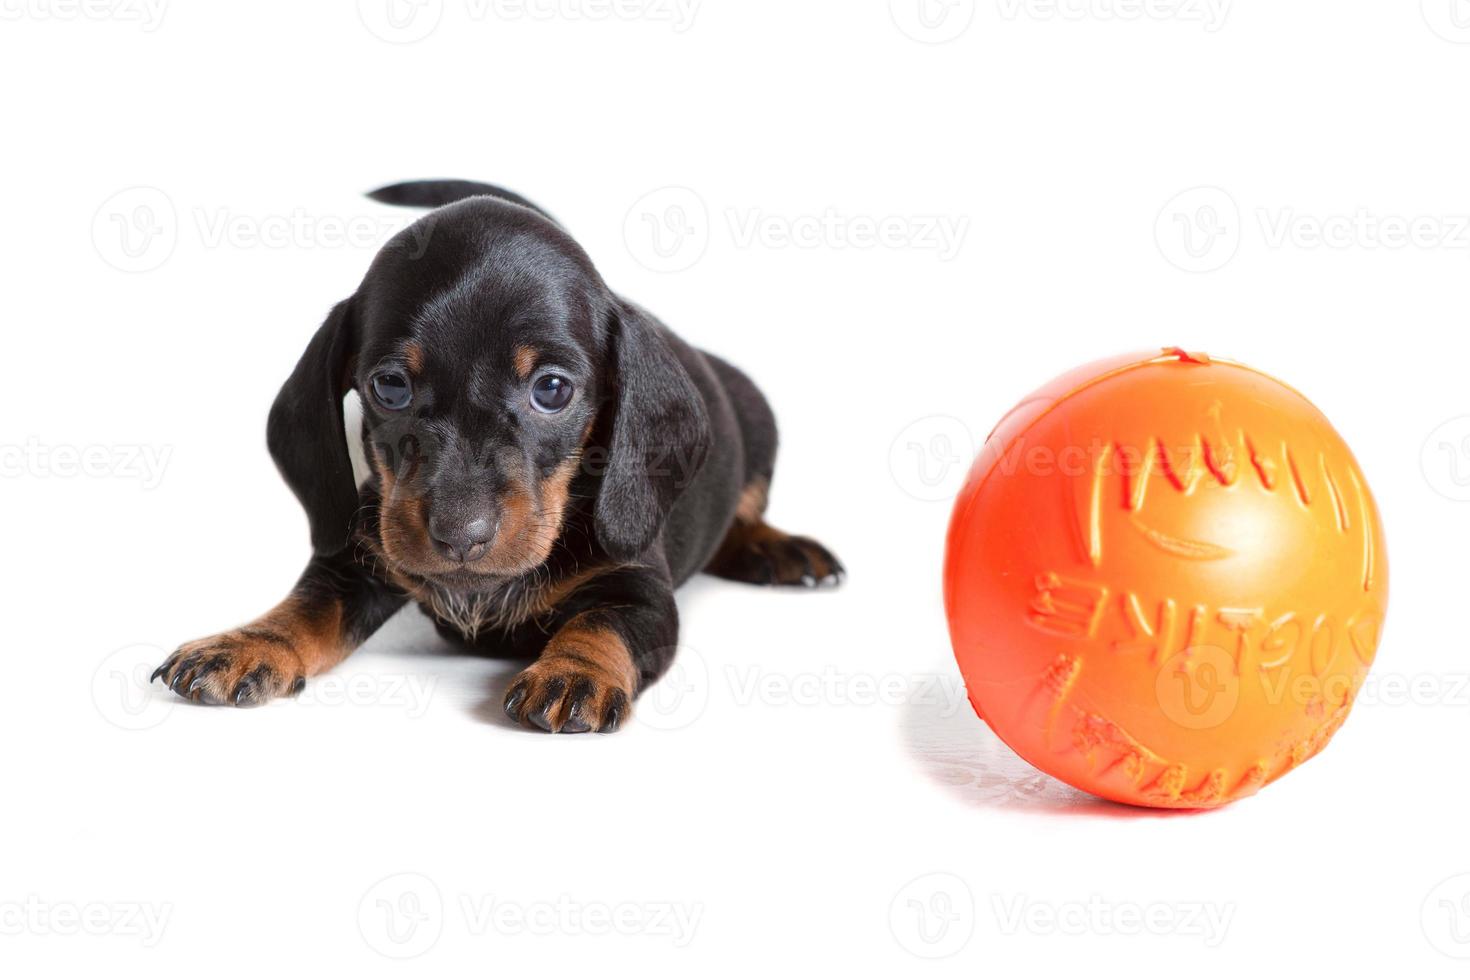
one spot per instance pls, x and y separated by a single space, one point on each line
162 669
514 698
808 568
183 675
617 707
297 686
551 697
253 686
582 691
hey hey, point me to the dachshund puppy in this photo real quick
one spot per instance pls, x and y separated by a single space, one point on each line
548 462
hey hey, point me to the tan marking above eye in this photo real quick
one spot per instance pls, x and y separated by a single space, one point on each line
413 356
525 361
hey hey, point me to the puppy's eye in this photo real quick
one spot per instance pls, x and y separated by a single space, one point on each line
392 390
551 393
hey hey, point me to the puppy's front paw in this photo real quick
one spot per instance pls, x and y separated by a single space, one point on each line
243 667
568 694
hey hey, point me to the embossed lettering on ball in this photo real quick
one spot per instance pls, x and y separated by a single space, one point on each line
1165 580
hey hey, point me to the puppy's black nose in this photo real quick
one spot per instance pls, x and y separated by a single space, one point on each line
462 540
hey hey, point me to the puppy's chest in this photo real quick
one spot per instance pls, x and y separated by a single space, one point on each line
474 613
470 613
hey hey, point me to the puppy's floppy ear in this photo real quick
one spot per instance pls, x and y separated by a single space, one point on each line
660 436
306 435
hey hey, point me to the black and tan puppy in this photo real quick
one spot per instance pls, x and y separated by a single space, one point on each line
548 463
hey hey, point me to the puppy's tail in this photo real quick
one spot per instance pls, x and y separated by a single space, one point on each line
437 193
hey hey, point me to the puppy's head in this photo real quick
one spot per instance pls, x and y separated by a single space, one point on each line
501 382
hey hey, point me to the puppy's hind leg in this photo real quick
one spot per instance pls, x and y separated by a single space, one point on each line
757 553
752 550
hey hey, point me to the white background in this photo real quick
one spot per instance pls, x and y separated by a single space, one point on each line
809 789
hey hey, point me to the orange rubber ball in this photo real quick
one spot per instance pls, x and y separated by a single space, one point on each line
1165 580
